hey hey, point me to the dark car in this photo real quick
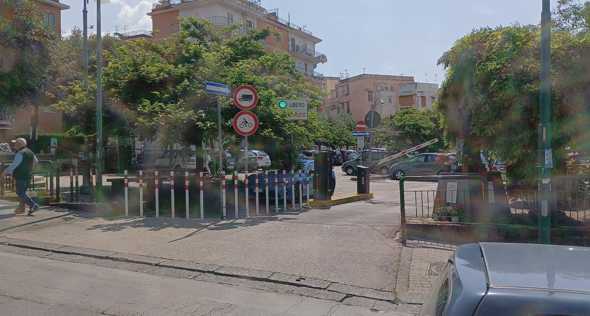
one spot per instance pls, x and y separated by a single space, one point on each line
367 157
423 164
490 279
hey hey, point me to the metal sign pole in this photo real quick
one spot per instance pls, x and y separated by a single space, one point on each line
246 153
219 135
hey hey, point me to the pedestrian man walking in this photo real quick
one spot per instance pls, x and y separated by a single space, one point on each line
22 169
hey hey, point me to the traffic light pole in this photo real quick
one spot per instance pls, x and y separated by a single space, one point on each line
545 149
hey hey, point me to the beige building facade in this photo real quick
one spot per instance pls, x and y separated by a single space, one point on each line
385 94
286 37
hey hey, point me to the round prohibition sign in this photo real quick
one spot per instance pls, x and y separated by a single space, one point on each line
245 97
245 123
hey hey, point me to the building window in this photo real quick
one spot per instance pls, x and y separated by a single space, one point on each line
390 100
230 18
347 90
50 21
423 101
293 44
370 96
306 70
348 107
249 24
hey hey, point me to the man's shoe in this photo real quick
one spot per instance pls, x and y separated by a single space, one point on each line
33 210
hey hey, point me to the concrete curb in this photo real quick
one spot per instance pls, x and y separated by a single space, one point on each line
340 201
324 288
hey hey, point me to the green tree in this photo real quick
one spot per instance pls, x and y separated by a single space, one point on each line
337 131
24 40
160 86
490 95
411 127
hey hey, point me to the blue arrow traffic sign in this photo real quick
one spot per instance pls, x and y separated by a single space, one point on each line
217 88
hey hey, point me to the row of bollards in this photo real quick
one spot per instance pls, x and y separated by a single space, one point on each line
298 182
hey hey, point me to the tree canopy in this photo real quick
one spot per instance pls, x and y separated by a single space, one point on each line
491 93
24 43
410 127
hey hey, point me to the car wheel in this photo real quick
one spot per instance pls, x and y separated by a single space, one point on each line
398 174
349 171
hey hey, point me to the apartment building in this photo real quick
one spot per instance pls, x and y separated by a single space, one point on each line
286 37
418 94
384 94
19 122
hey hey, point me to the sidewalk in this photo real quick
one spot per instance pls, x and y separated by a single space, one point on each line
419 268
346 244
8 220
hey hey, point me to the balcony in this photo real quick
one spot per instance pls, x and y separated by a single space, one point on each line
317 57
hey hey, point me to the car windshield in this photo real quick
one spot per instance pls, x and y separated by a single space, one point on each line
286 157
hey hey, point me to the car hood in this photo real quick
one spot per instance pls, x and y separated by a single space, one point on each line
530 266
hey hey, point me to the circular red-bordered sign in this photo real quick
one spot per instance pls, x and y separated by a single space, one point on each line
245 123
245 97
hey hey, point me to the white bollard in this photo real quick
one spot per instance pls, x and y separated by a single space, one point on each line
172 202
266 188
157 193
186 195
141 193
285 190
223 200
276 191
126 181
236 196
257 191
247 196
300 189
201 196
293 197
309 180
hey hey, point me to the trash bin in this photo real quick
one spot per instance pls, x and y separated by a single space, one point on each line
323 172
363 180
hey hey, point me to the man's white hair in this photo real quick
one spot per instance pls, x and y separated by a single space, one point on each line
21 141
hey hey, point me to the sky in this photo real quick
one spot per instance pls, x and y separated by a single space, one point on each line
359 36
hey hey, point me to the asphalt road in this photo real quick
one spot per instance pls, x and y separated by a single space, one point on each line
38 286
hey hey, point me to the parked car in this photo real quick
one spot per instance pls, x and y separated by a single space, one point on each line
489 279
366 157
257 159
306 161
423 164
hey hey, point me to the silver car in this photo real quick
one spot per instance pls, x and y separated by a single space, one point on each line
490 279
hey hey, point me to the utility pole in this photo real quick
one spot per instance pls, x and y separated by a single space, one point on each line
85 43
99 140
545 150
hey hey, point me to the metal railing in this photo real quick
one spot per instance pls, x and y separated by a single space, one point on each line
496 213
177 194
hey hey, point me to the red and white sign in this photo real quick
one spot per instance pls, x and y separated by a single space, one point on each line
245 97
360 127
245 123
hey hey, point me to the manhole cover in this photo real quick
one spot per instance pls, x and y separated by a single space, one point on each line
436 268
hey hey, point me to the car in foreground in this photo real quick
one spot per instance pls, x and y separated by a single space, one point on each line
490 279
423 165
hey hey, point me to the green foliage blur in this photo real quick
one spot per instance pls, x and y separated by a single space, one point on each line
491 93
411 127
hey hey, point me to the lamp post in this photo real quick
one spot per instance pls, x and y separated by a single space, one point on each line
545 151
99 138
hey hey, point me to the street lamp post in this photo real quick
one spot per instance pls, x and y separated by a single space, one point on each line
99 138
545 151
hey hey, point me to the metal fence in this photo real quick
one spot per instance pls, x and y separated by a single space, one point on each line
190 195
491 214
